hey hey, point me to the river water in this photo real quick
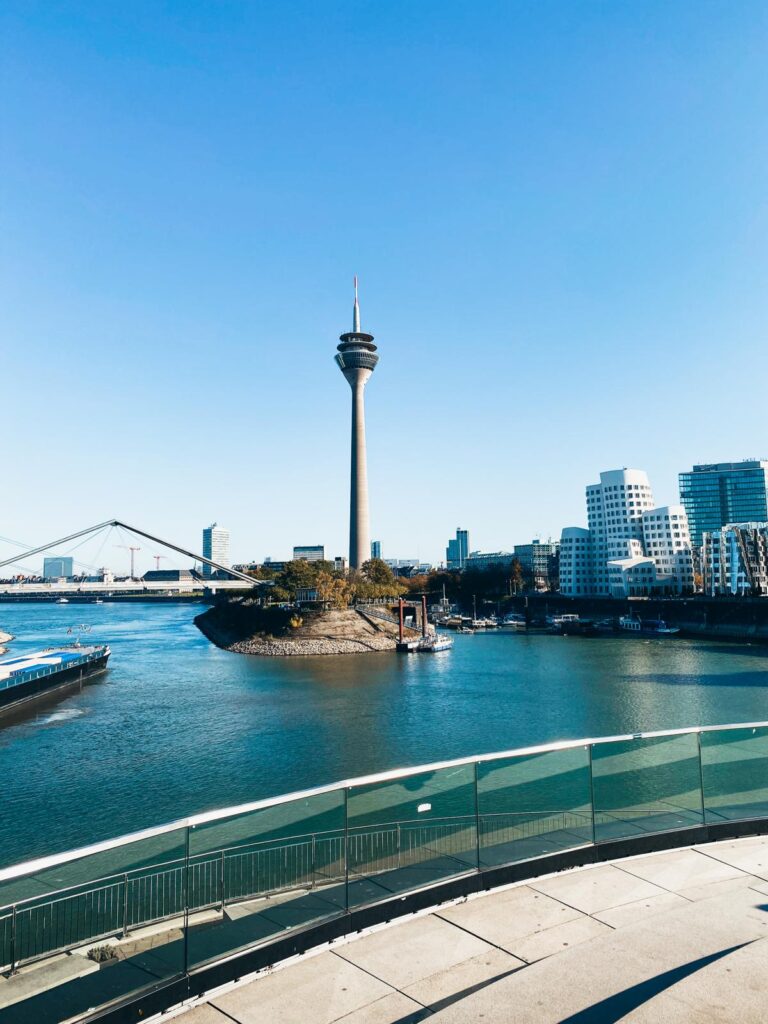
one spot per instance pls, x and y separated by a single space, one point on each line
177 726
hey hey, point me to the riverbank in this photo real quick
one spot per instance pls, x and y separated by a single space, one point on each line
713 618
245 628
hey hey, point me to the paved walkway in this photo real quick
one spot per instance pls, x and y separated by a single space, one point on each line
668 937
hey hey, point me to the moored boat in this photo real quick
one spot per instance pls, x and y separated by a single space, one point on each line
433 643
646 627
514 619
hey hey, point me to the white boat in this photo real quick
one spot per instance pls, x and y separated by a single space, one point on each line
432 644
514 619
63 600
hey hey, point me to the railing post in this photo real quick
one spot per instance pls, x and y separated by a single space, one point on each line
701 779
221 880
13 940
592 796
185 898
314 860
477 817
125 904
399 843
346 849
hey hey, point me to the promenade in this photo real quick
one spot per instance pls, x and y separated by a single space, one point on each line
679 936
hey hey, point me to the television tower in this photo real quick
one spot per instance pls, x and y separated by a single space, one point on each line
357 359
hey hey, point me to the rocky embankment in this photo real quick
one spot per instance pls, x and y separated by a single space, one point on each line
4 638
246 628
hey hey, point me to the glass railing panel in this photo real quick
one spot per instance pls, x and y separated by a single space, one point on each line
644 785
533 804
735 773
410 832
254 876
120 913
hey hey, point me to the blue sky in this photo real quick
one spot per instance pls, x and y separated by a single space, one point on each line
558 213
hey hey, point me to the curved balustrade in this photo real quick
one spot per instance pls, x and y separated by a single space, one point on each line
170 902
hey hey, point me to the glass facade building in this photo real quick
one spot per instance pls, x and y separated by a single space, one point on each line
457 550
309 552
724 492
57 567
215 547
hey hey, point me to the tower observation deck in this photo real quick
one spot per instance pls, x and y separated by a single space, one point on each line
357 359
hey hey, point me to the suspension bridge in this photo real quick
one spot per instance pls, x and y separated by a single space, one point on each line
92 583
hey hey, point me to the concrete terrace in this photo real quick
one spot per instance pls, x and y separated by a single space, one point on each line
671 937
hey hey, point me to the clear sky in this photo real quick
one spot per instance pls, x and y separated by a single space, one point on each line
558 212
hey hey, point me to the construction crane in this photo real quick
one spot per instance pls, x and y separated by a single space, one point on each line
157 561
133 550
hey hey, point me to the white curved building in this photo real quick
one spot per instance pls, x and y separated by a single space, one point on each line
577 562
634 548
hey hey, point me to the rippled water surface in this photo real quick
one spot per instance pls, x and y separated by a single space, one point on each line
177 726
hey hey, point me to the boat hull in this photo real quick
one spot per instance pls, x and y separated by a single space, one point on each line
31 691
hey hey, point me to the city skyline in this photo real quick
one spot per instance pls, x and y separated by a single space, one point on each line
558 226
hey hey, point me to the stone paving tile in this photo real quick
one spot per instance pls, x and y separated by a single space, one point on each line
750 855
733 988
594 889
410 952
555 940
503 917
392 1009
463 976
630 913
205 1014
318 990
580 978
705 892
679 869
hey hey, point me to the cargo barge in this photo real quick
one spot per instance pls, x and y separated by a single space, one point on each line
29 677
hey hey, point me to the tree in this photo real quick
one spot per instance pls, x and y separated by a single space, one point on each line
517 576
333 590
377 571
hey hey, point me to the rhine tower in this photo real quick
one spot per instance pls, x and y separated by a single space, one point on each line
357 358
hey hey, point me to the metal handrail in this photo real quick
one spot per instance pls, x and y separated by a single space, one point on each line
110 895
191 821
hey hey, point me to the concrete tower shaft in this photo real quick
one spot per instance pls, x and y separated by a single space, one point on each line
357 360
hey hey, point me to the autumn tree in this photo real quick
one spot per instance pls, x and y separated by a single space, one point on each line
334 590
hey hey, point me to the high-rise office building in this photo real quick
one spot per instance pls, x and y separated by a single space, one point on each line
309 552
375 549
55 568
215 547
457 550
720 493
357 360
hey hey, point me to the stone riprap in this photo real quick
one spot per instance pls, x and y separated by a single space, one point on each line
303 633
